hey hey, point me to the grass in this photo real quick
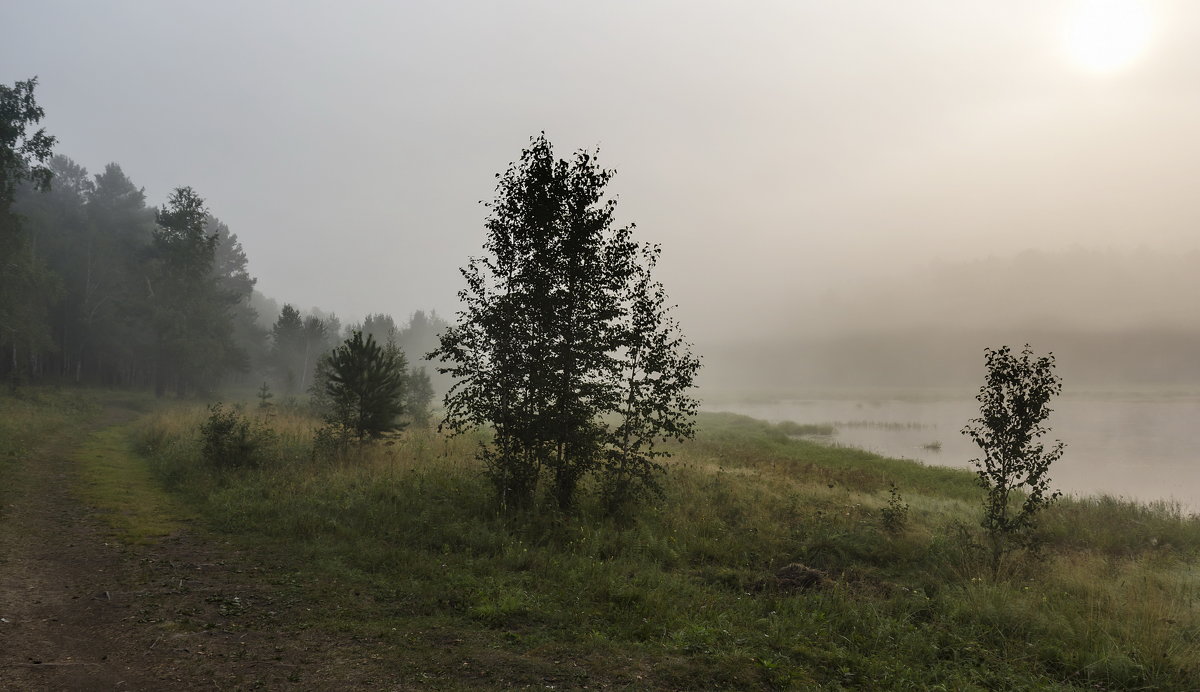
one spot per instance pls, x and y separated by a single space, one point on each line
111 477
401 544
30 416
126 493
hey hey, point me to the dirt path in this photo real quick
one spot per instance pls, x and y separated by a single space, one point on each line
79 610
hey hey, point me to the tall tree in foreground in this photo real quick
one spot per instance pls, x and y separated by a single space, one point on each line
563 331
1013 405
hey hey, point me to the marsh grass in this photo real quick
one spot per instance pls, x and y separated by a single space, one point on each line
881 424
404 538
806 429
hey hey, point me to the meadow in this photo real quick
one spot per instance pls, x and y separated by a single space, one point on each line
771 562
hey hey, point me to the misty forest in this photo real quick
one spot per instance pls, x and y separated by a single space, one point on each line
879 370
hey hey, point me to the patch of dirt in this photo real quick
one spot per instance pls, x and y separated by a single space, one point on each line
82 611
795 577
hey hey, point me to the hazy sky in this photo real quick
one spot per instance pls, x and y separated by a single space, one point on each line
777 150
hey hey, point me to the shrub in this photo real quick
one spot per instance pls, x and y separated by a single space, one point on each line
894 514
231 440
332 441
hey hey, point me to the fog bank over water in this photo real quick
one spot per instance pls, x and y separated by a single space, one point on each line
1114 319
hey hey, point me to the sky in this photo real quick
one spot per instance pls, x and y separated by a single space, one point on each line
781 152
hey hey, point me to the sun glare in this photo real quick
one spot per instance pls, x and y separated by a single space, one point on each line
1105 36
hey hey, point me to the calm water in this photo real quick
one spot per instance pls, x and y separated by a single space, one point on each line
1133 445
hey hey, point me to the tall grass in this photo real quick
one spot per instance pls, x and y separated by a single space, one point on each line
683 592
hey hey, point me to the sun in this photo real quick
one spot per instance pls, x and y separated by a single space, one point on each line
1106 36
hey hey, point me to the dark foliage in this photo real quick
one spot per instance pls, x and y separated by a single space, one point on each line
420 396
190 311
231 440
23 154
894 515
26 286
366 386
562 331
1013 405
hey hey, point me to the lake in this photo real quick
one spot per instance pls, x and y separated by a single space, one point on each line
1134 445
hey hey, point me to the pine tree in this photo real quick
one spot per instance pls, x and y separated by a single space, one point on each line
314 346
190 311
420 396
365 386
122 340
287 353
231 270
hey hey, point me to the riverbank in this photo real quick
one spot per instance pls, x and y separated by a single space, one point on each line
1136 444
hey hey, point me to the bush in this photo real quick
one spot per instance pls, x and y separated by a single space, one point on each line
231 440
894 514
332 441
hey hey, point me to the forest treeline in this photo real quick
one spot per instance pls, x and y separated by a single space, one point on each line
104 289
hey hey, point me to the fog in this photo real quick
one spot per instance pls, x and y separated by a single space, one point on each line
846 193
1125 319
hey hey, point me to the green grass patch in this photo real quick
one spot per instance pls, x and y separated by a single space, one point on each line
121 486
400 543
